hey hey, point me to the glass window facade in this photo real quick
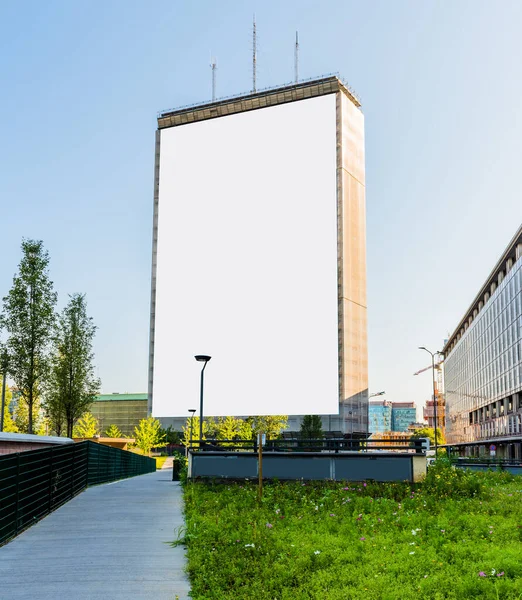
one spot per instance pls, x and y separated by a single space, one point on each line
379 417
483 370
403 417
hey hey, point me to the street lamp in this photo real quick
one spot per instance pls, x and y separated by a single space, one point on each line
434 395
204 359
377 394
191 411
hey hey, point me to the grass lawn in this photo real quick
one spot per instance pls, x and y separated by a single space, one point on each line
159 461
455 536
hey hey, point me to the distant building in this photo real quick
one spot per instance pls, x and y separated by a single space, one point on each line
428 413
379 416
412 427
123 410
483 365
403 415
386 416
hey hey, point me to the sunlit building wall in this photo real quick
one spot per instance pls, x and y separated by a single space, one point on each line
483 364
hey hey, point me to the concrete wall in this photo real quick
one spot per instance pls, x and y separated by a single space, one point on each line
377 466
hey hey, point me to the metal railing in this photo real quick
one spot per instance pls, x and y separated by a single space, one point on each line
312 445
34 483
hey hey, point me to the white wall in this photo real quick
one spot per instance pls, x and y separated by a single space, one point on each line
247 263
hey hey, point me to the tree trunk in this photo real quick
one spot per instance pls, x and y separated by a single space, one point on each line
30 416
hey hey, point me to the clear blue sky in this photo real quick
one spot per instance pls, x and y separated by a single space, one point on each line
441 87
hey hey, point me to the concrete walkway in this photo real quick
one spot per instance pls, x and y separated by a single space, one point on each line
111 541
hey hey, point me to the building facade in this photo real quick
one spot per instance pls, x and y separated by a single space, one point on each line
347 380
386 416
123 410
403 415
483 367
379 416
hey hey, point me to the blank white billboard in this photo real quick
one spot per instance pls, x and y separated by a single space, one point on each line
247 263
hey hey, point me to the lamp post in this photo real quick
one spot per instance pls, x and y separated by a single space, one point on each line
434 396
191 411
204 359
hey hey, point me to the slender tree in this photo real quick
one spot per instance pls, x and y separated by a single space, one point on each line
73 384
9 426
148 435
113 431
87 426
311 427
28 317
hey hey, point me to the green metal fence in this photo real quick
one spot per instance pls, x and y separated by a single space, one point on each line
108 464
34 483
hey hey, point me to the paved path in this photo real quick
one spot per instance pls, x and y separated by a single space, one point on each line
111 541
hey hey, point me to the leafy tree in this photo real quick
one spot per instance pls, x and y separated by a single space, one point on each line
208 429
28 317
9 424
86 427
73 384
231 428
271 425
21 417
427 432
148 435
113 431
311 427
172 436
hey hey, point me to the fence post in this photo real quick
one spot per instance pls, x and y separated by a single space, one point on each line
72 469
51 479
17 488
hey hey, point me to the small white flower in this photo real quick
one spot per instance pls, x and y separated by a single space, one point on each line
412 543
493 571
250 545
412 552
413 532
317 552
418 530
316 508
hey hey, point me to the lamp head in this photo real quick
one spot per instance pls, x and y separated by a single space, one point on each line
202 358
192 410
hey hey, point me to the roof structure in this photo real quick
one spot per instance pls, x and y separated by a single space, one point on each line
253 100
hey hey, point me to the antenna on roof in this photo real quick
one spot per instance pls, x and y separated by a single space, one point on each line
213 66
254 54
296 57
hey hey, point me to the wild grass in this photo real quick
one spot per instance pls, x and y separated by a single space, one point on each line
455 536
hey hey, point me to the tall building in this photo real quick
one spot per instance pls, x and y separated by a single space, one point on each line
259 256
483 365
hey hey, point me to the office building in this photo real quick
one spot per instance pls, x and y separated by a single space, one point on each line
386 416
403 415
123 410
483 368
259 256
379 416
